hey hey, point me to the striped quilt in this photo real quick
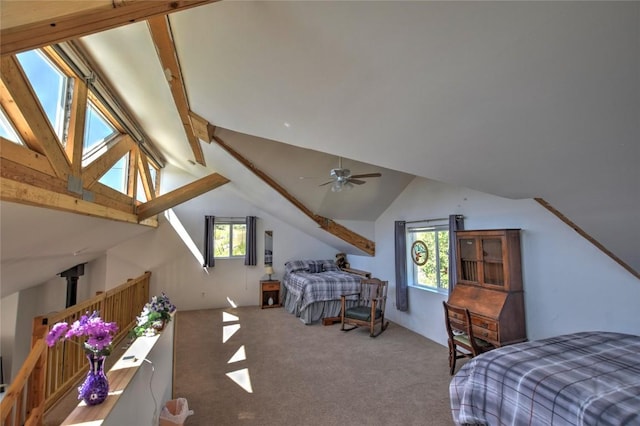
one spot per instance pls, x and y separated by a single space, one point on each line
587 378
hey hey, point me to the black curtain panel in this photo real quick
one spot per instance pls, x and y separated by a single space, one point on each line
251 252
456 223
209 226
402 289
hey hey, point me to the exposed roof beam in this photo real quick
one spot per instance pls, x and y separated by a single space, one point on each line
25 111
201 127
588 237
102 164
25 156
23 193
145 177
75 138
30 24
328 225
180 195
18 165
160 28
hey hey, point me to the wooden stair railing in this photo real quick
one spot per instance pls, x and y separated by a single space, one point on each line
17 400
49 373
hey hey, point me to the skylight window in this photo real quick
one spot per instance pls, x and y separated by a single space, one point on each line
7 131
52 88
116 177
140 196
57 75
97 129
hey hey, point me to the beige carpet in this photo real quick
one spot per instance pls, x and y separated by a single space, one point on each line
298 374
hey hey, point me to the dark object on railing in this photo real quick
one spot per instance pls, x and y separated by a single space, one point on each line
72 275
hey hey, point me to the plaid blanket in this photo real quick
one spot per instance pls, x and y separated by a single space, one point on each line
588 378
309 288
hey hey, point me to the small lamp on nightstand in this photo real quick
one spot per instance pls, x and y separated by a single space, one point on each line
269 271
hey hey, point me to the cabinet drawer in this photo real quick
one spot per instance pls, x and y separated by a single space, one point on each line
270 286
484 334
457 316
484 323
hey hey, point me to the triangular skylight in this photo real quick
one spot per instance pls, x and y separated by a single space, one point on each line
7 131
116 177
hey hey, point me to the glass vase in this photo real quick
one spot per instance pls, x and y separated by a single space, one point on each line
95 388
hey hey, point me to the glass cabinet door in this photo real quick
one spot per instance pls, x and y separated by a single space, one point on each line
469 260
493 270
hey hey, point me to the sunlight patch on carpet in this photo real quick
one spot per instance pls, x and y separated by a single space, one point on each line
228 331
241 377
238 356
227 317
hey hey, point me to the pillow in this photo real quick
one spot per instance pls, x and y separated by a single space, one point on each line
297 266
314 268
329 265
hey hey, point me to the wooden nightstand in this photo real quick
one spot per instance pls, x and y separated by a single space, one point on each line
270 289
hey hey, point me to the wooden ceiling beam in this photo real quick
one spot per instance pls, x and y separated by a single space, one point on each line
201 127
25 156
23 107
587 237
160 29
29 186
145 176
100 194
23 193
132 173
328 225
27 25
102 164
180 195
75 139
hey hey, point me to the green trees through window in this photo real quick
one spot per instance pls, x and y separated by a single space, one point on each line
229 239
434 274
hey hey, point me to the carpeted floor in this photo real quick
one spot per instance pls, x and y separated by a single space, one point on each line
253 366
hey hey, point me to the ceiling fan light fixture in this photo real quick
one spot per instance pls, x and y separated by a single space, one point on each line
336 186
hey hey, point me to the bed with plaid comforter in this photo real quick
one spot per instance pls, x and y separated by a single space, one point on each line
587 378
308 288
313 288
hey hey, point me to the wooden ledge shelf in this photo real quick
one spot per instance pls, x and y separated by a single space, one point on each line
130 400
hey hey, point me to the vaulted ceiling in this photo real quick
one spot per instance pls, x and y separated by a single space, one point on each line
517 99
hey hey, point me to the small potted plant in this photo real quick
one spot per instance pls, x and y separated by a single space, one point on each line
154 316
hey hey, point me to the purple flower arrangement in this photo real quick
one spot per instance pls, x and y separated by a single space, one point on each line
98 333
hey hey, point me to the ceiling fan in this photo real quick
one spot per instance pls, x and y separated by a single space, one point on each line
343 179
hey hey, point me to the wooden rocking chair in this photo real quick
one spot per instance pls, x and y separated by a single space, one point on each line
368 310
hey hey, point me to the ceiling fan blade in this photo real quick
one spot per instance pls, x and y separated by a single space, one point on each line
367 175
326 183
356 181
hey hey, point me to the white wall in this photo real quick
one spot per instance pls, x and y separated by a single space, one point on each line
8 318
569 284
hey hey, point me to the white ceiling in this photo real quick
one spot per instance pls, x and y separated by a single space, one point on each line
518 99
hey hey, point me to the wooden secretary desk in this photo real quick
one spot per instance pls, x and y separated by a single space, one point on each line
489 284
